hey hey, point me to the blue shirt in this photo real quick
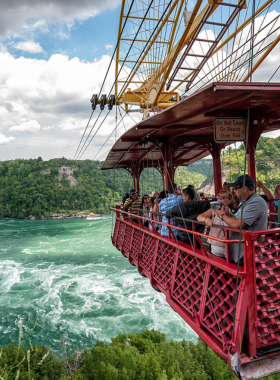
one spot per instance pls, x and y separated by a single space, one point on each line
165 205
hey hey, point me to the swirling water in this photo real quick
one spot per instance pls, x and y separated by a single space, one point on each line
66 275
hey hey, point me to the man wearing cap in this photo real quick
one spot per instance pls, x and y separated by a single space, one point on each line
254 216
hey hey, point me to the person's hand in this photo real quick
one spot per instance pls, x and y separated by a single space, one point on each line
220 212
225 208
208 222
156 201
259 183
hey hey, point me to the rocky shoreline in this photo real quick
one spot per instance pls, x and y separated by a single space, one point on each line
67 215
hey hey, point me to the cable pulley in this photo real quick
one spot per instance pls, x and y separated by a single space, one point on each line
112 102
103 101
94 101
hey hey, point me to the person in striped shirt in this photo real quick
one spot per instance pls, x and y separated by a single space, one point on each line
133 203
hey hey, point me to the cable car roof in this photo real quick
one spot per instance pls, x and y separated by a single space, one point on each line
188 125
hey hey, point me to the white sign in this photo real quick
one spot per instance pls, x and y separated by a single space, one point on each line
229 129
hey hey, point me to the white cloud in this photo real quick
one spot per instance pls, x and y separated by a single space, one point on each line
30 46
71 124
18 16
28 126
47 128
108 47
54 94
4 139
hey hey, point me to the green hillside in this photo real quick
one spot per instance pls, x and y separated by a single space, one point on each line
267 158
33 187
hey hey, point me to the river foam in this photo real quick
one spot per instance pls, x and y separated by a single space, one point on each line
67 275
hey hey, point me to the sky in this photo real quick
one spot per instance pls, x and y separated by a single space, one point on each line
53 57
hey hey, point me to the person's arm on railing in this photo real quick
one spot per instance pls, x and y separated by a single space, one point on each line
267 192
175 211
226 217
205 218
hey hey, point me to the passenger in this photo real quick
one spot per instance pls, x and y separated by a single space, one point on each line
234 201
126 195
197 197
166 204
145 209
202 195
189 210
155 194
276 197
277 192
162 195
254 216
134 203
267 196
153 208
209 218
226 186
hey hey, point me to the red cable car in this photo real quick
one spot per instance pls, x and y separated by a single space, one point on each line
201 287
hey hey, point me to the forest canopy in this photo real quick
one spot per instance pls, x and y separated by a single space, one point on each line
26 189
146 355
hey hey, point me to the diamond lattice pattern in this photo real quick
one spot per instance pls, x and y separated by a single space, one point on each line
164 264
220 301
267 259
148 251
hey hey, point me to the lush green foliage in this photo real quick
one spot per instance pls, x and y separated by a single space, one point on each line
267 161
25 191
15 361
142 356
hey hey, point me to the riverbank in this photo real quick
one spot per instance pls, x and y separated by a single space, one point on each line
67 215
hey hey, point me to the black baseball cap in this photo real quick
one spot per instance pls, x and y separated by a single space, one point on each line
249 181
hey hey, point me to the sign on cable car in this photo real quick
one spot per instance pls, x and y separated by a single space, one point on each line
229 129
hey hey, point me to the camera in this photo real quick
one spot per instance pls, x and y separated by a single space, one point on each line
216 205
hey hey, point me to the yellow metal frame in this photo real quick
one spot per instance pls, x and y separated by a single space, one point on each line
164 21
245 23
118 49
140 95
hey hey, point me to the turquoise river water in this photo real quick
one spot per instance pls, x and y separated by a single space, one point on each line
67 276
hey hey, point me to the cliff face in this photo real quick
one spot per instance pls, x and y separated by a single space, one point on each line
64 171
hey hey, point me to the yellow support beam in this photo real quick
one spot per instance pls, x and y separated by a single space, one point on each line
241 27
165 19
118 48
172 56
245 23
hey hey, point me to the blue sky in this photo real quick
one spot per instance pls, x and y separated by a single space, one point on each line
53 56
85 39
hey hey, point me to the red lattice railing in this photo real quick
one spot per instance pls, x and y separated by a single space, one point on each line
267 264
202 287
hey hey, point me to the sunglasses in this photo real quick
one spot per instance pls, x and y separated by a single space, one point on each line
223 197
146 197
237 187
